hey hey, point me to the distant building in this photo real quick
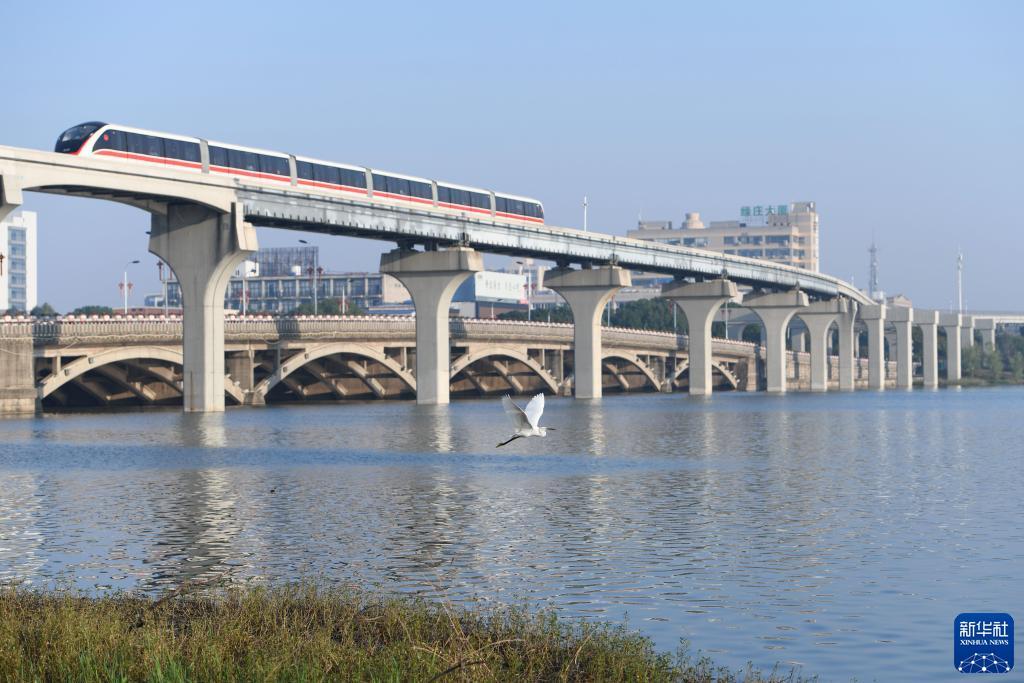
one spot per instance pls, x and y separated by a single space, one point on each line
488 294
279 280
18 267
783 233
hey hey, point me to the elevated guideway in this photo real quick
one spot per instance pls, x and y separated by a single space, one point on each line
203 226
147 187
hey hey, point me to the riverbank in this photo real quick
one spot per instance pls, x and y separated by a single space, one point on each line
308 633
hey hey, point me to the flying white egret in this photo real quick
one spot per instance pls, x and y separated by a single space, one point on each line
525 421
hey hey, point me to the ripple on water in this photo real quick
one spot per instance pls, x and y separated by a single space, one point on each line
836 532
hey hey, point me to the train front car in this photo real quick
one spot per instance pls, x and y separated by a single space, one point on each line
73 139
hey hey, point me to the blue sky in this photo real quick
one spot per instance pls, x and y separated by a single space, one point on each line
901 120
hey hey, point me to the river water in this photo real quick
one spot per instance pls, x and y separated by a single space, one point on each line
840 533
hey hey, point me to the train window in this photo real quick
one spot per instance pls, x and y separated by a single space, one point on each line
218 156
353 178
501 204
134 143
182 149
111 139
480 201
326 174
384 183
171 149
273 165
422 190
444 194
150 145
248 161
304 170
71 139
154 146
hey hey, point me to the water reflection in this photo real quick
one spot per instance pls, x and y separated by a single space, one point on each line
21 537
830 530
203 430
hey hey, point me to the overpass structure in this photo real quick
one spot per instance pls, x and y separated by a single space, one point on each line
202 226
78 362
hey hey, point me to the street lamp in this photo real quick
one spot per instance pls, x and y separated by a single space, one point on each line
246 271
529 289
125 285
314 272
163 281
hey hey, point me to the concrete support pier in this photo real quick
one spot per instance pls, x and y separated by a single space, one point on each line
818 317
902 319
874 319
950 322
987 328
17 370
846 322
432 278
587 291
775 311
700 302
928 321
966 331
203 247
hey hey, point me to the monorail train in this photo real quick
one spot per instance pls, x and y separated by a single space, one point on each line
278 169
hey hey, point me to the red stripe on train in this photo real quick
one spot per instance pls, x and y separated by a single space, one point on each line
332 186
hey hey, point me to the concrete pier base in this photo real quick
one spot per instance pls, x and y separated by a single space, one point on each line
950 323
17 370
775 311
203 247
818 317
699 302
902 319
846 322
874 319
432 278
587 292
928 321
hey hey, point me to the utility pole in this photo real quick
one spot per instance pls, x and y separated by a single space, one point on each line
959 280
584 213
873 276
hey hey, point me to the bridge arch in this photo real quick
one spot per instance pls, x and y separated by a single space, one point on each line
729 376
467 359
634 360
80 366
313 353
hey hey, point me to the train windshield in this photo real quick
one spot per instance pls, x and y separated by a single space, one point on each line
71 140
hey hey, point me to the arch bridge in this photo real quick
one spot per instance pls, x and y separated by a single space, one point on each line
133 361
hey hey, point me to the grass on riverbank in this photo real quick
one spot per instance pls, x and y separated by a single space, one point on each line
306 633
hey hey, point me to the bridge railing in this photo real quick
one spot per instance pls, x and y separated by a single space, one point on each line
70 330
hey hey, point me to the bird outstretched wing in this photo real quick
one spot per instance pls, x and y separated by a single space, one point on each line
516 414
534 409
